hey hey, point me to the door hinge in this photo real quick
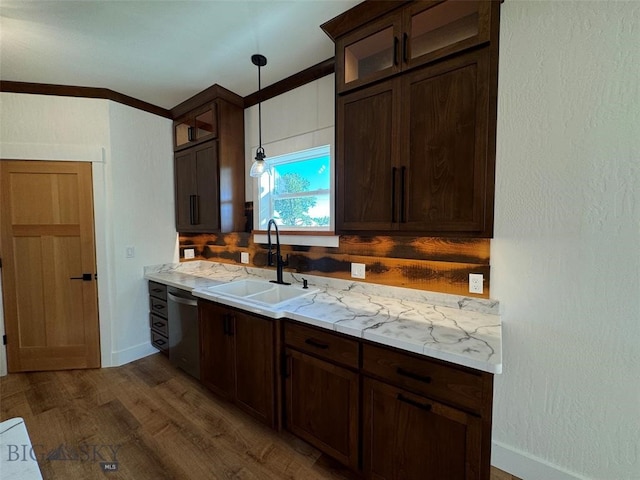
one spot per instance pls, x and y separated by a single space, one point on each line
0 263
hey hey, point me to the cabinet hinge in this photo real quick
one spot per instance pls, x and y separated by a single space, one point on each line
4 339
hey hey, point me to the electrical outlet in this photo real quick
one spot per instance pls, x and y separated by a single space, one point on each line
358 270
476 283
189 253
244 257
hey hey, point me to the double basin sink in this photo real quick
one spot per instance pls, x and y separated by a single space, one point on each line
260 294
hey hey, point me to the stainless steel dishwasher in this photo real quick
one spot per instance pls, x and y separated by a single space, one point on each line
184 338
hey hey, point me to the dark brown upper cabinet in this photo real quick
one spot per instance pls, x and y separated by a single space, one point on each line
195 127
416 122
409 35
209 169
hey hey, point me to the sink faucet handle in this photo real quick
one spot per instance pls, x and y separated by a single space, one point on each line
305 284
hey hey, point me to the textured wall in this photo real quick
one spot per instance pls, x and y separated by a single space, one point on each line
566 253
133 196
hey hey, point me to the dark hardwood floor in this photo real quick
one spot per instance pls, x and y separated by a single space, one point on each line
154 422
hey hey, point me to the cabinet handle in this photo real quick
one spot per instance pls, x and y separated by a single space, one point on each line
286 365
413 376
194 210
229 325
158 324
403 174
405 55
315 343
394 171
395 50
159 342
190 134
157 290
86 277
422 406
158 307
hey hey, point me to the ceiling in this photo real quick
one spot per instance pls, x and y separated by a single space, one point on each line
162 51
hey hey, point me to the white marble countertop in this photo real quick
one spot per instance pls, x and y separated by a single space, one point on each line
465 331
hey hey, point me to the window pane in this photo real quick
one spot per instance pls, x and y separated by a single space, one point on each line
299 193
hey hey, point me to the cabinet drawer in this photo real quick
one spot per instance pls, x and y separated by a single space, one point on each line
159 324
323 344
159 341
158 307
424 376
158 290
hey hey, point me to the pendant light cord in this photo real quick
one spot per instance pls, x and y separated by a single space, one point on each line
259 109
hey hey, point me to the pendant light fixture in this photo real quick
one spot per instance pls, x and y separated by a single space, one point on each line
260 165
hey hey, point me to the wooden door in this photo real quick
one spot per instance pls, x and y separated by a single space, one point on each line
367 139
217 369
409 437
445 124
322 406
255 366
49 268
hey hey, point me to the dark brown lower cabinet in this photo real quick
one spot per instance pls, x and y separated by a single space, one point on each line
238 360
406 436
322 405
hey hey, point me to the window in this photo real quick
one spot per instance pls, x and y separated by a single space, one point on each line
297 194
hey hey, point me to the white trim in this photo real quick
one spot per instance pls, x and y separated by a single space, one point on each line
305 240
526 466
132 354
52 152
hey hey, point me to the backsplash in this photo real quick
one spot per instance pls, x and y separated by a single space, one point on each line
424 263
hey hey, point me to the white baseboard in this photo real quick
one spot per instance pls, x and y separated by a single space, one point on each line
526 466
128 355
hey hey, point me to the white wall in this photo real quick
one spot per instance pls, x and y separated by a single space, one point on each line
566 253
132 169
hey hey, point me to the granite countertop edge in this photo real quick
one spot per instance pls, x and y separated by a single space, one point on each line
461 330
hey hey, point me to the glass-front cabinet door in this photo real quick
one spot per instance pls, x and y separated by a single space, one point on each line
195 127
433 30
369 54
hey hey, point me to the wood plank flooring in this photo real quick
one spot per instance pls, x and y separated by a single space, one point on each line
154 422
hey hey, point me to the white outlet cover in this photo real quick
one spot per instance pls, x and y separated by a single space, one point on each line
358 270
244 257
476 283
189 253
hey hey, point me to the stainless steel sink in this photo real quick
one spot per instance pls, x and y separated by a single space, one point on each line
259 292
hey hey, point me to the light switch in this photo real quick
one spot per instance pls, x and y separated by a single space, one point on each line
131 252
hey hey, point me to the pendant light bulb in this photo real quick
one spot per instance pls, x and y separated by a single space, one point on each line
260 165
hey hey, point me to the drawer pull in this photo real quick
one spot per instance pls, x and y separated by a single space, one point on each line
315 343
413 376
157 290
422 406
158 324
159 341
158 307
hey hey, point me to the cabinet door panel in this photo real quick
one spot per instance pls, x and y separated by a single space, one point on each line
367 140
208 206
185 187
217 369
409 437
446 119
254 359
322 406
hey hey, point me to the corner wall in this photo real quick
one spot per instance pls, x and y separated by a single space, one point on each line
132 168
566 251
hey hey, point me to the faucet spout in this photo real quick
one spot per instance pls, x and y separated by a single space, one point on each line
280 262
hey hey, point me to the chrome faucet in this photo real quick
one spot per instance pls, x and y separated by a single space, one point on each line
279 261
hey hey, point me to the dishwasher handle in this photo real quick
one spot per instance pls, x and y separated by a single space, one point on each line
184 301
